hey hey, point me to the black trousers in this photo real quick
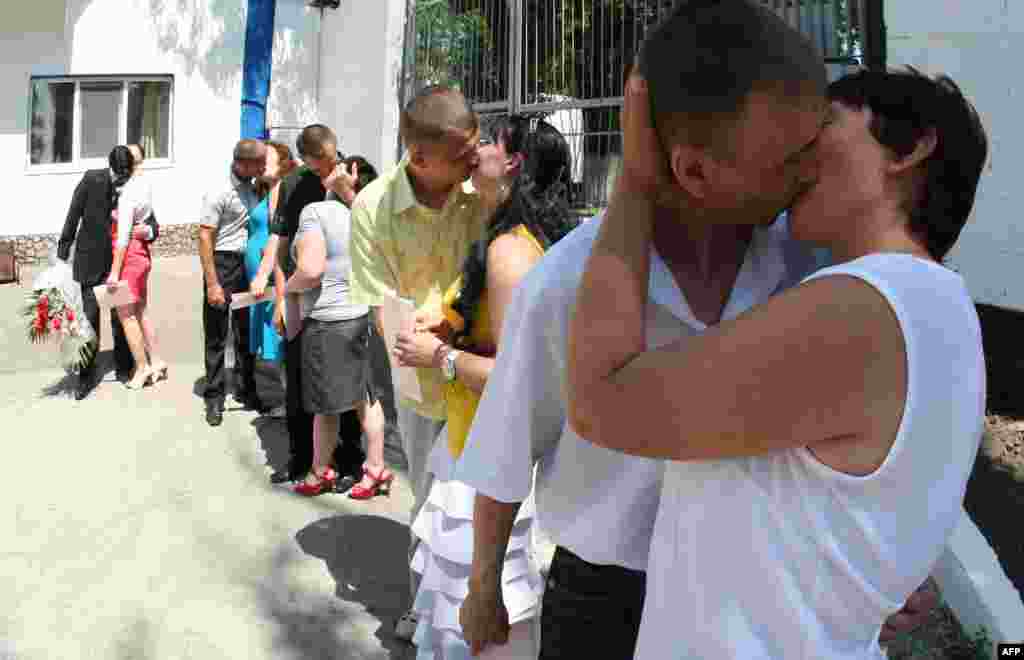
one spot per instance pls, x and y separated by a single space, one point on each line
123 360
230 268
590 610
92 313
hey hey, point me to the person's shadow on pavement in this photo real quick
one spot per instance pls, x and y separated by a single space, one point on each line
273 435
367 557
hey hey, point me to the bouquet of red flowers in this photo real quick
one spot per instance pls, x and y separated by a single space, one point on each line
54 312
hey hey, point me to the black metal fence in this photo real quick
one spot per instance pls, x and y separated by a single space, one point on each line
564 60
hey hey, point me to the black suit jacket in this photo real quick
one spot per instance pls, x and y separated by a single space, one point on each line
89 222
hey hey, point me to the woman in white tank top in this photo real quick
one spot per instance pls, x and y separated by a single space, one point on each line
822 442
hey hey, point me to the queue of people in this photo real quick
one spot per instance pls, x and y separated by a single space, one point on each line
647 387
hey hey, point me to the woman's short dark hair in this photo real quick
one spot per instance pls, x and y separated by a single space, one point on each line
539 200
367 172
122 162
906 106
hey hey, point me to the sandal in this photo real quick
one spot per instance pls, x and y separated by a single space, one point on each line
324 484
381 485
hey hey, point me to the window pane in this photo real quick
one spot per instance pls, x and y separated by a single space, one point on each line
149 114
53 113
101 114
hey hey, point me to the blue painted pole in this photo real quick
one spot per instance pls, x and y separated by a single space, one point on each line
256 67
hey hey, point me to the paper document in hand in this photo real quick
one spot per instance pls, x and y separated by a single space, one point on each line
118 296
399 315
246 299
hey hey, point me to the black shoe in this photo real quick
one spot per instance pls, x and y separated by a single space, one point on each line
289 473
214 412
86 383
82 390
280 477
249 402
344 483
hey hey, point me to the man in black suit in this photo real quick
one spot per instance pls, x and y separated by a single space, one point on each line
89 221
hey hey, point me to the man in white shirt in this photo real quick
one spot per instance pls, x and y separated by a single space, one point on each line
599 506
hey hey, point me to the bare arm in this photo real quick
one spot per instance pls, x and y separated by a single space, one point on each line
509 258
206 241
483 616
492 529
311 259
269 259
279 279
607 327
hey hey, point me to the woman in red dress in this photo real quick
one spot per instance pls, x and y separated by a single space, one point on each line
132 264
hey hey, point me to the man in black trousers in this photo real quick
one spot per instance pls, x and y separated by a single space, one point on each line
87 226
223 233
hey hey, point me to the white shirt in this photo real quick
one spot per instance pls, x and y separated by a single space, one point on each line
781 557
597 503
134 205
227 209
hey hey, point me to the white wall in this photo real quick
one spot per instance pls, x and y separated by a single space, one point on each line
32 41
976 42
199 42
360 70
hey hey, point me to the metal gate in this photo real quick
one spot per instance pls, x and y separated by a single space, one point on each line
564 60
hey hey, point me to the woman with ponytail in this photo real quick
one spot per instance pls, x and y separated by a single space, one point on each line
523 179
132 205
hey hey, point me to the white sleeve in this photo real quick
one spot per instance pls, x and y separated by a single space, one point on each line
521 413
125 217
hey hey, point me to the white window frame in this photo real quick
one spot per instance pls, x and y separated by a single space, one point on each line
79 164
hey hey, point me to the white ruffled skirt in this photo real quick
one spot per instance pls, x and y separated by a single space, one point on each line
443 558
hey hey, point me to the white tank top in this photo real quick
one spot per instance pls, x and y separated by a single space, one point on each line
782 557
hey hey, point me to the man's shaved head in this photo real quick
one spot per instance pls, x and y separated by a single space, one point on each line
434 115
703 62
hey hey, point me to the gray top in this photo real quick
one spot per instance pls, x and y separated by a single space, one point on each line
226 208
329 301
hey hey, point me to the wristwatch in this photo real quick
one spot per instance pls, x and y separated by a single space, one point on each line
448 364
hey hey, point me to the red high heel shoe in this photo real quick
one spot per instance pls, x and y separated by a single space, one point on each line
324 484
381 485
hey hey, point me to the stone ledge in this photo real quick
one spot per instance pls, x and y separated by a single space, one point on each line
975 587
174 241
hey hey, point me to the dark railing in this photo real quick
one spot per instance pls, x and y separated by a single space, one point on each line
564 60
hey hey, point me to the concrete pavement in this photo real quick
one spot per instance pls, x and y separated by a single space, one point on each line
133 530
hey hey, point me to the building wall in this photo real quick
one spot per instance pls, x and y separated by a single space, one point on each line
360 70
200 43
976 42
32 40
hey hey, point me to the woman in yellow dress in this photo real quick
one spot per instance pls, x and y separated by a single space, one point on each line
523 179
